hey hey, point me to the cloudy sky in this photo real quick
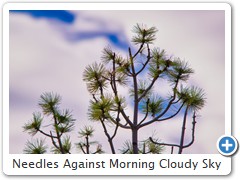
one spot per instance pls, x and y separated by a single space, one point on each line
49 51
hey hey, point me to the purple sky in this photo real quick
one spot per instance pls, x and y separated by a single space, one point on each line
49 54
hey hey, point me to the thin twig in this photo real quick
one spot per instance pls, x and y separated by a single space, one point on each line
176 145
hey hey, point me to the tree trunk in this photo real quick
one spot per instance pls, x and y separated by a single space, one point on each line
110 140
183 131
57 133
87 145
135 140
112 146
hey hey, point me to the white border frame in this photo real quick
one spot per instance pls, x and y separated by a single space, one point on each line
7 158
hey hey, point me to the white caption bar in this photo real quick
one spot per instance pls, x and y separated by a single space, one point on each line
187 164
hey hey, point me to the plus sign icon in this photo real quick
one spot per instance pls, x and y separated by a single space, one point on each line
227 145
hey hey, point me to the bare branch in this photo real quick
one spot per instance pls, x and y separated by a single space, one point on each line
176 145
163 144
125 151
108 136
80 145
53 142
139 50
48 135
126 117
147 89
147 61
177 101
117 125
193 131
94 97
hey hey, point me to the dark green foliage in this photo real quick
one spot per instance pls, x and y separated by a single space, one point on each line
157 65
179 71
61 121
66 146
100 109
86 131
193 97
85 145
49 103
34 125
94 75
143 34
145 147
35 147
152 148
153 105
142 87
65 121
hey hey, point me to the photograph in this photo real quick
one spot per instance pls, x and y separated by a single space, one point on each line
116 81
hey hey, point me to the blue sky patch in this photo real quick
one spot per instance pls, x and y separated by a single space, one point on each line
68 18
61 15
112 37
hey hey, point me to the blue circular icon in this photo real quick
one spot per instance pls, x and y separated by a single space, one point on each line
227 145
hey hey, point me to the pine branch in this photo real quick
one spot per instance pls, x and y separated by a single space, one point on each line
117 125
171 101
147 61
81 147
108 136
48 135
146 115
138 51
58 135
157 119
177 145
53 142
147 89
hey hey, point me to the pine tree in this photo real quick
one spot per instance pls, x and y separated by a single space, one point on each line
140 71
61 122
86 133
